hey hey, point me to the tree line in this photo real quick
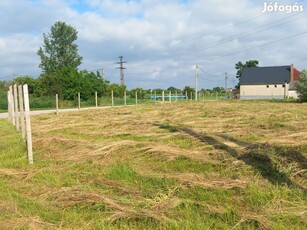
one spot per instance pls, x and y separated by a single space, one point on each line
60 74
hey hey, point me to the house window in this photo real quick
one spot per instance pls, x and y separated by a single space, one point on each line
275 86
267 86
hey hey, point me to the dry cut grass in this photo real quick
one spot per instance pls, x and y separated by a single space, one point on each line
224 165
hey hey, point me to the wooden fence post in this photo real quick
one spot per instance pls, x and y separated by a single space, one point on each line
79 103
28 124
136 97
57 104
112 97
22 114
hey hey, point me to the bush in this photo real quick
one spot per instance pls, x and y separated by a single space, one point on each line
41 102
3 100
302 87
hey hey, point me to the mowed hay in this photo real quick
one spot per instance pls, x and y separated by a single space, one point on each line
201 165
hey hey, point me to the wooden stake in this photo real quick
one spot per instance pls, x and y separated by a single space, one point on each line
28 124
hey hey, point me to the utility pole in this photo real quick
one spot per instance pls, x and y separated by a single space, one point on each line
226 77
102 73
121 67
196 81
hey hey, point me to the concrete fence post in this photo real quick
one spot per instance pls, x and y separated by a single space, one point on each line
155 97
191 96
12 105
22 114
112 98
9 117
28 124
125 98
170 96
96 100
186 95
16 107
57 104
176 94
136 97
79 101
163 96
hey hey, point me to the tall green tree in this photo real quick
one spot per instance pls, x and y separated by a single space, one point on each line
59 49
240 66
302 86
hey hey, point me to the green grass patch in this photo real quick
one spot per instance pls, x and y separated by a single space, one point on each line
184 164
149 185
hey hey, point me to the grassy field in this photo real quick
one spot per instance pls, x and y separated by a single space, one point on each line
205 165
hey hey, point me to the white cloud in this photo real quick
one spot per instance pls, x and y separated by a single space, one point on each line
160 40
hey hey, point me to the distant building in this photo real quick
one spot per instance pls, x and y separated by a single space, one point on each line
274 82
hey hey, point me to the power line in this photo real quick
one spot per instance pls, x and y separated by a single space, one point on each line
223 27
248 34
212 75
265 44
243 34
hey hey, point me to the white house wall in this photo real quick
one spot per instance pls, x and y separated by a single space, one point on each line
271 91
293 94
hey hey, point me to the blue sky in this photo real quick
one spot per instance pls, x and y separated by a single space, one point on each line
160 40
